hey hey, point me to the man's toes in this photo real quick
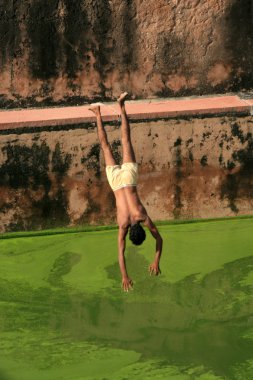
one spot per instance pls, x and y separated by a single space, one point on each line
122 97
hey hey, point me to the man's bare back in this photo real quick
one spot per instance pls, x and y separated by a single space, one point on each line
130 211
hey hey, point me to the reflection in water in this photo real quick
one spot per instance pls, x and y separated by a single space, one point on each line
188 323
3 376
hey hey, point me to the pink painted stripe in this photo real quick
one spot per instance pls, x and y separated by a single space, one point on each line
136 109
249 101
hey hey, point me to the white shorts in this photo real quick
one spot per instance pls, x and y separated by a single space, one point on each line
122 175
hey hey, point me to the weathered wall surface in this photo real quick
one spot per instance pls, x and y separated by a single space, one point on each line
70 51
188 168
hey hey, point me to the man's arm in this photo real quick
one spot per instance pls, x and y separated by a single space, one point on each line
126 282
154 268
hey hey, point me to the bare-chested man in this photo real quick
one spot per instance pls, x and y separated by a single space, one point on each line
123 181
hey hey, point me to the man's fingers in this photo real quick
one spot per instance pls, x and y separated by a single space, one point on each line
127 286
150 269
154 271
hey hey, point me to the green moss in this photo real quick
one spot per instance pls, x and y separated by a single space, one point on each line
64 316
62 266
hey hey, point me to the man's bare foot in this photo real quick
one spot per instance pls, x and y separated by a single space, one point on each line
95 108
122 98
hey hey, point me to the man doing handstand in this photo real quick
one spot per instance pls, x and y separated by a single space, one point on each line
123 181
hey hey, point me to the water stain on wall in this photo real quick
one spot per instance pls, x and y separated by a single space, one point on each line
42 27
178 177
115 147
199 168
27 170
125 45
88 49
239 45
74 42
239 183
169 56
26 166
91 160
101 18
60 162
9 31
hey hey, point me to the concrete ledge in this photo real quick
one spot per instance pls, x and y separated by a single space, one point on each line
137 110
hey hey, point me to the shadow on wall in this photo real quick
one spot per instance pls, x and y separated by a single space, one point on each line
238 42
9 31
42 28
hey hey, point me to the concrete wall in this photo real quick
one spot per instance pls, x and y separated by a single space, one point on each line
188 168
68 51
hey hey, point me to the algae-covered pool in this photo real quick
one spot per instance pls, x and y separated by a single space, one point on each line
63 314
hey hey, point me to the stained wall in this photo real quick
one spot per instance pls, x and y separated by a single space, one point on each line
57 52
189 168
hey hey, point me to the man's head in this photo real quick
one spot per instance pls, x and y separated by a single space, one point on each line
137 235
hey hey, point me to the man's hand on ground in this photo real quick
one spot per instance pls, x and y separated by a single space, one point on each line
154 269
127 284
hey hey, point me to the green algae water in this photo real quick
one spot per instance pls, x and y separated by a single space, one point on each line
63 314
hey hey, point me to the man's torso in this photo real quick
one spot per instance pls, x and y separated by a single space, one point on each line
129 206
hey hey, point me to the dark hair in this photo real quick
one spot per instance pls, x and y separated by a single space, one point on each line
137 235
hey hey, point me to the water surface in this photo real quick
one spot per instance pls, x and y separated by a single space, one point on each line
64 316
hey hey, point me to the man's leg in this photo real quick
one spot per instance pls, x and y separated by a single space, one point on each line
128 151
109 159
